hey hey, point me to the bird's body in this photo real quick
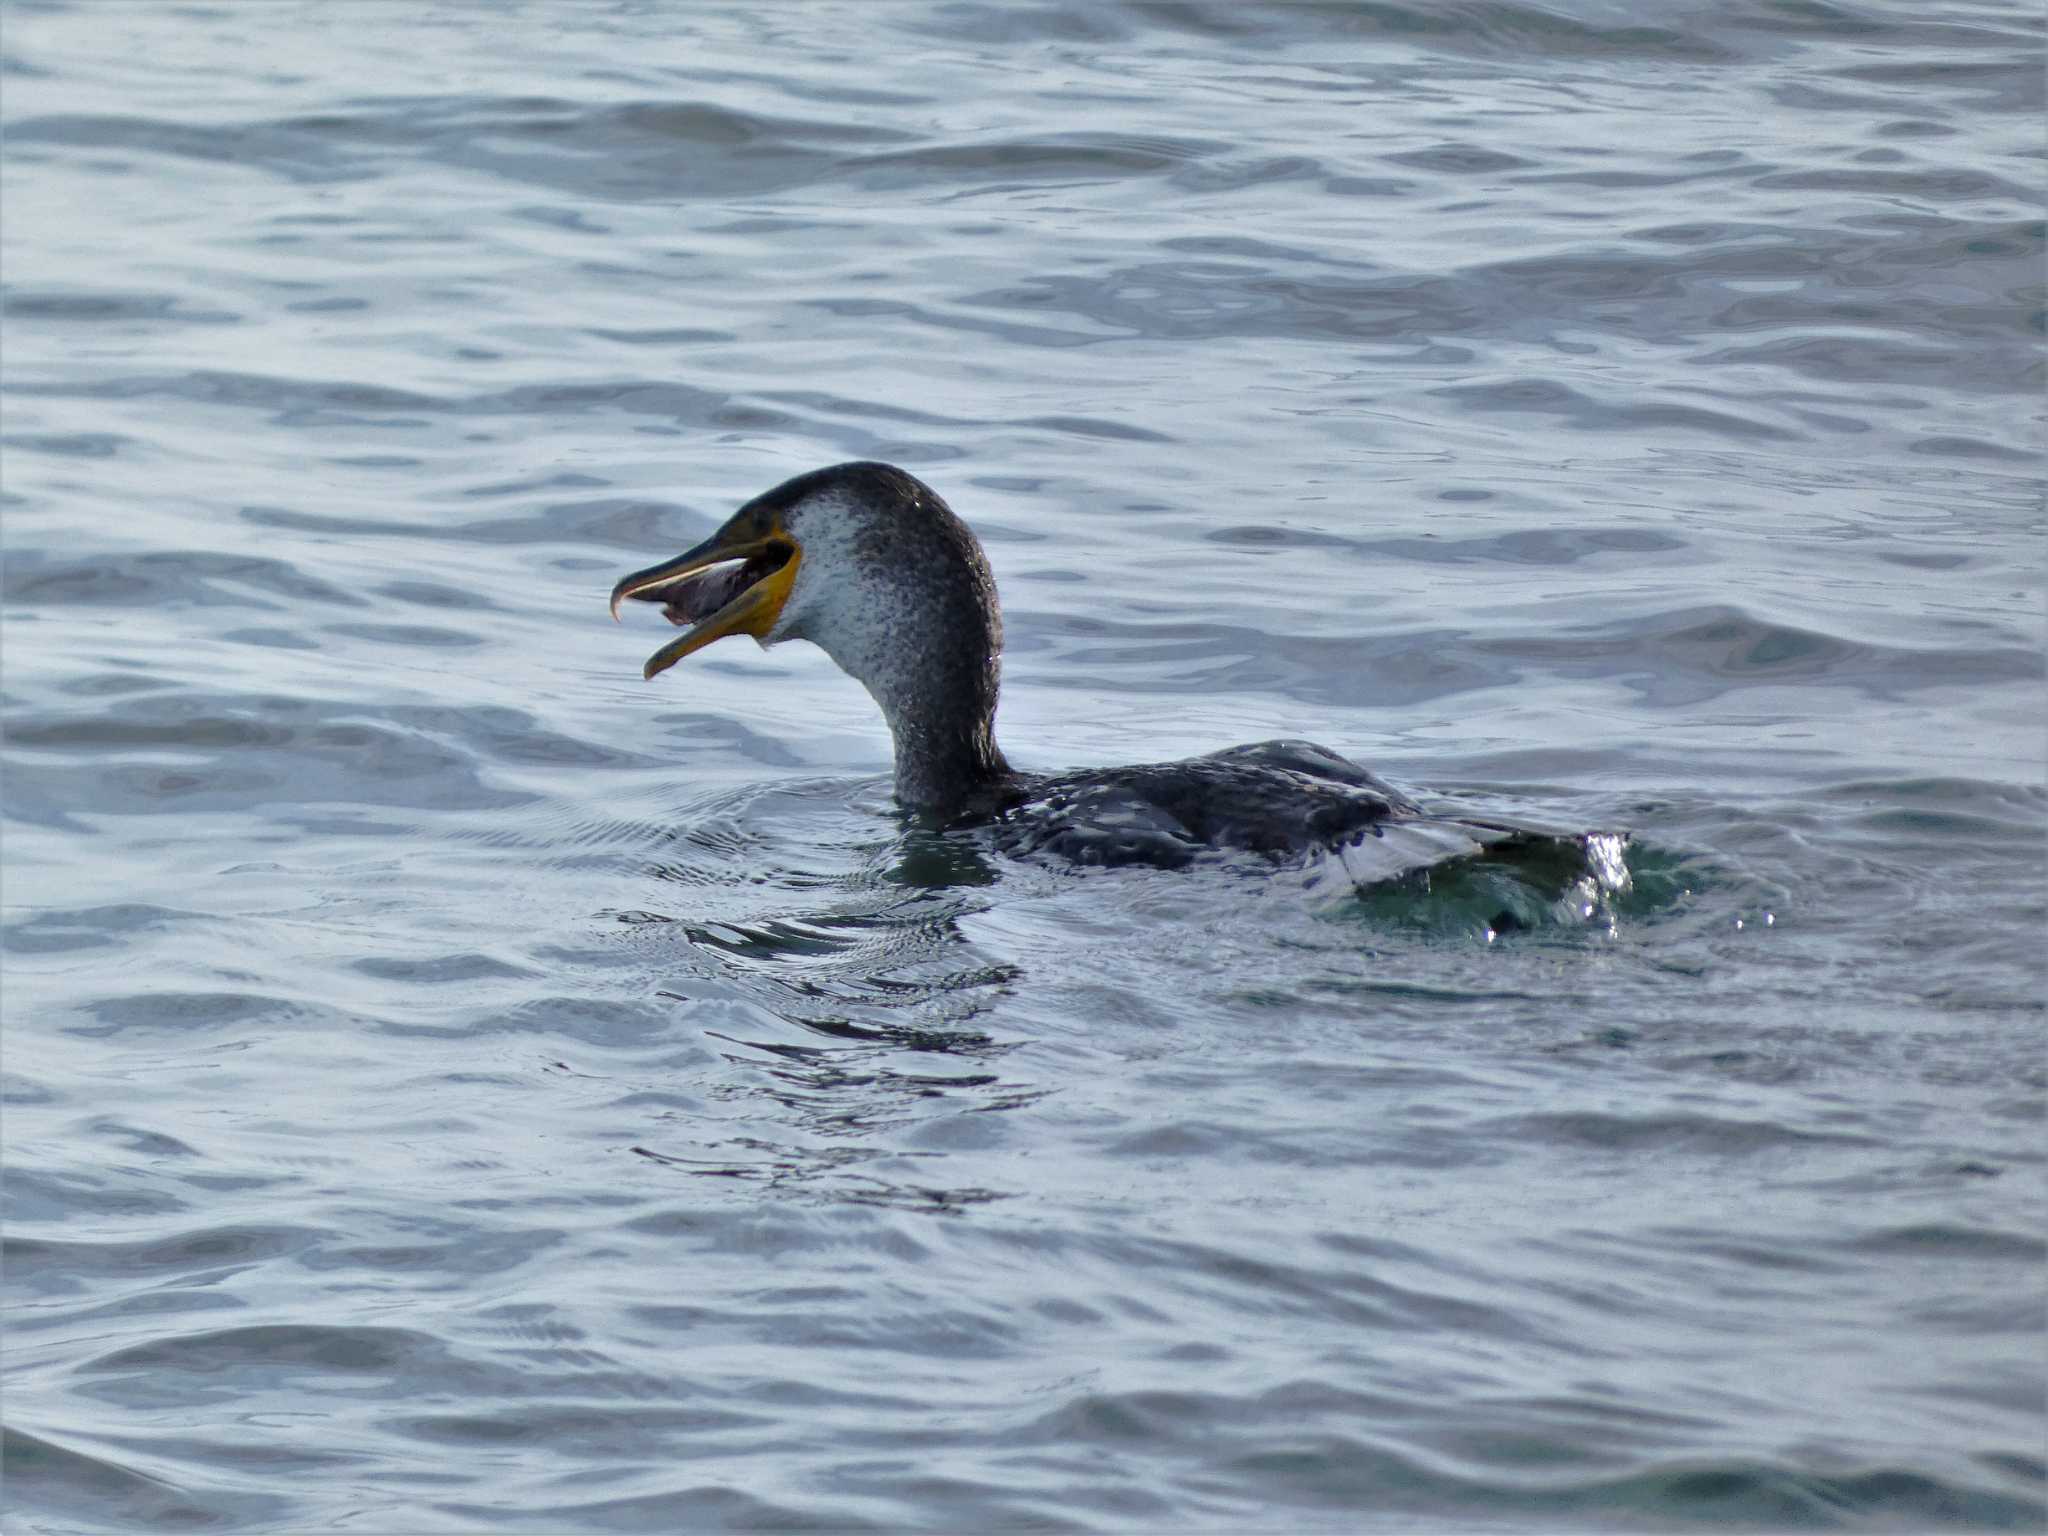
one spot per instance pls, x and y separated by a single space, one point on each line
871 565
1278 798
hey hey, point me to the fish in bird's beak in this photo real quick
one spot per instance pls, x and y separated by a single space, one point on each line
734 583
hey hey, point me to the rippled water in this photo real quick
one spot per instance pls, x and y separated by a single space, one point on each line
453 1085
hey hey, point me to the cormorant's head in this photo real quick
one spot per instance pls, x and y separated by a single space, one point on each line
865 561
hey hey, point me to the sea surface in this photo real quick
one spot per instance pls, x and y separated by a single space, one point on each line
453 1085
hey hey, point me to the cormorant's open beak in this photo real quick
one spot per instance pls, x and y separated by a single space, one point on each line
705 589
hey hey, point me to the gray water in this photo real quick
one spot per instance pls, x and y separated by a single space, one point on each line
455 1085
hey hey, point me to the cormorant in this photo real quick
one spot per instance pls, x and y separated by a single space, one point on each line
869 563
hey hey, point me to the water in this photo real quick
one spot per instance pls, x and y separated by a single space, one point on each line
454 1085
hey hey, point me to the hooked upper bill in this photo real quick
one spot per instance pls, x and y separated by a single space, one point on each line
734 583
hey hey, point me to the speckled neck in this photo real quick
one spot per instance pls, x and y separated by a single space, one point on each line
896 590
936 672
946 753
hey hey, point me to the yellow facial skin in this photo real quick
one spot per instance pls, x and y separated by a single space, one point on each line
753 612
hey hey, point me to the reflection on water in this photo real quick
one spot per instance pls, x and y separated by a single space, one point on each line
452 1085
